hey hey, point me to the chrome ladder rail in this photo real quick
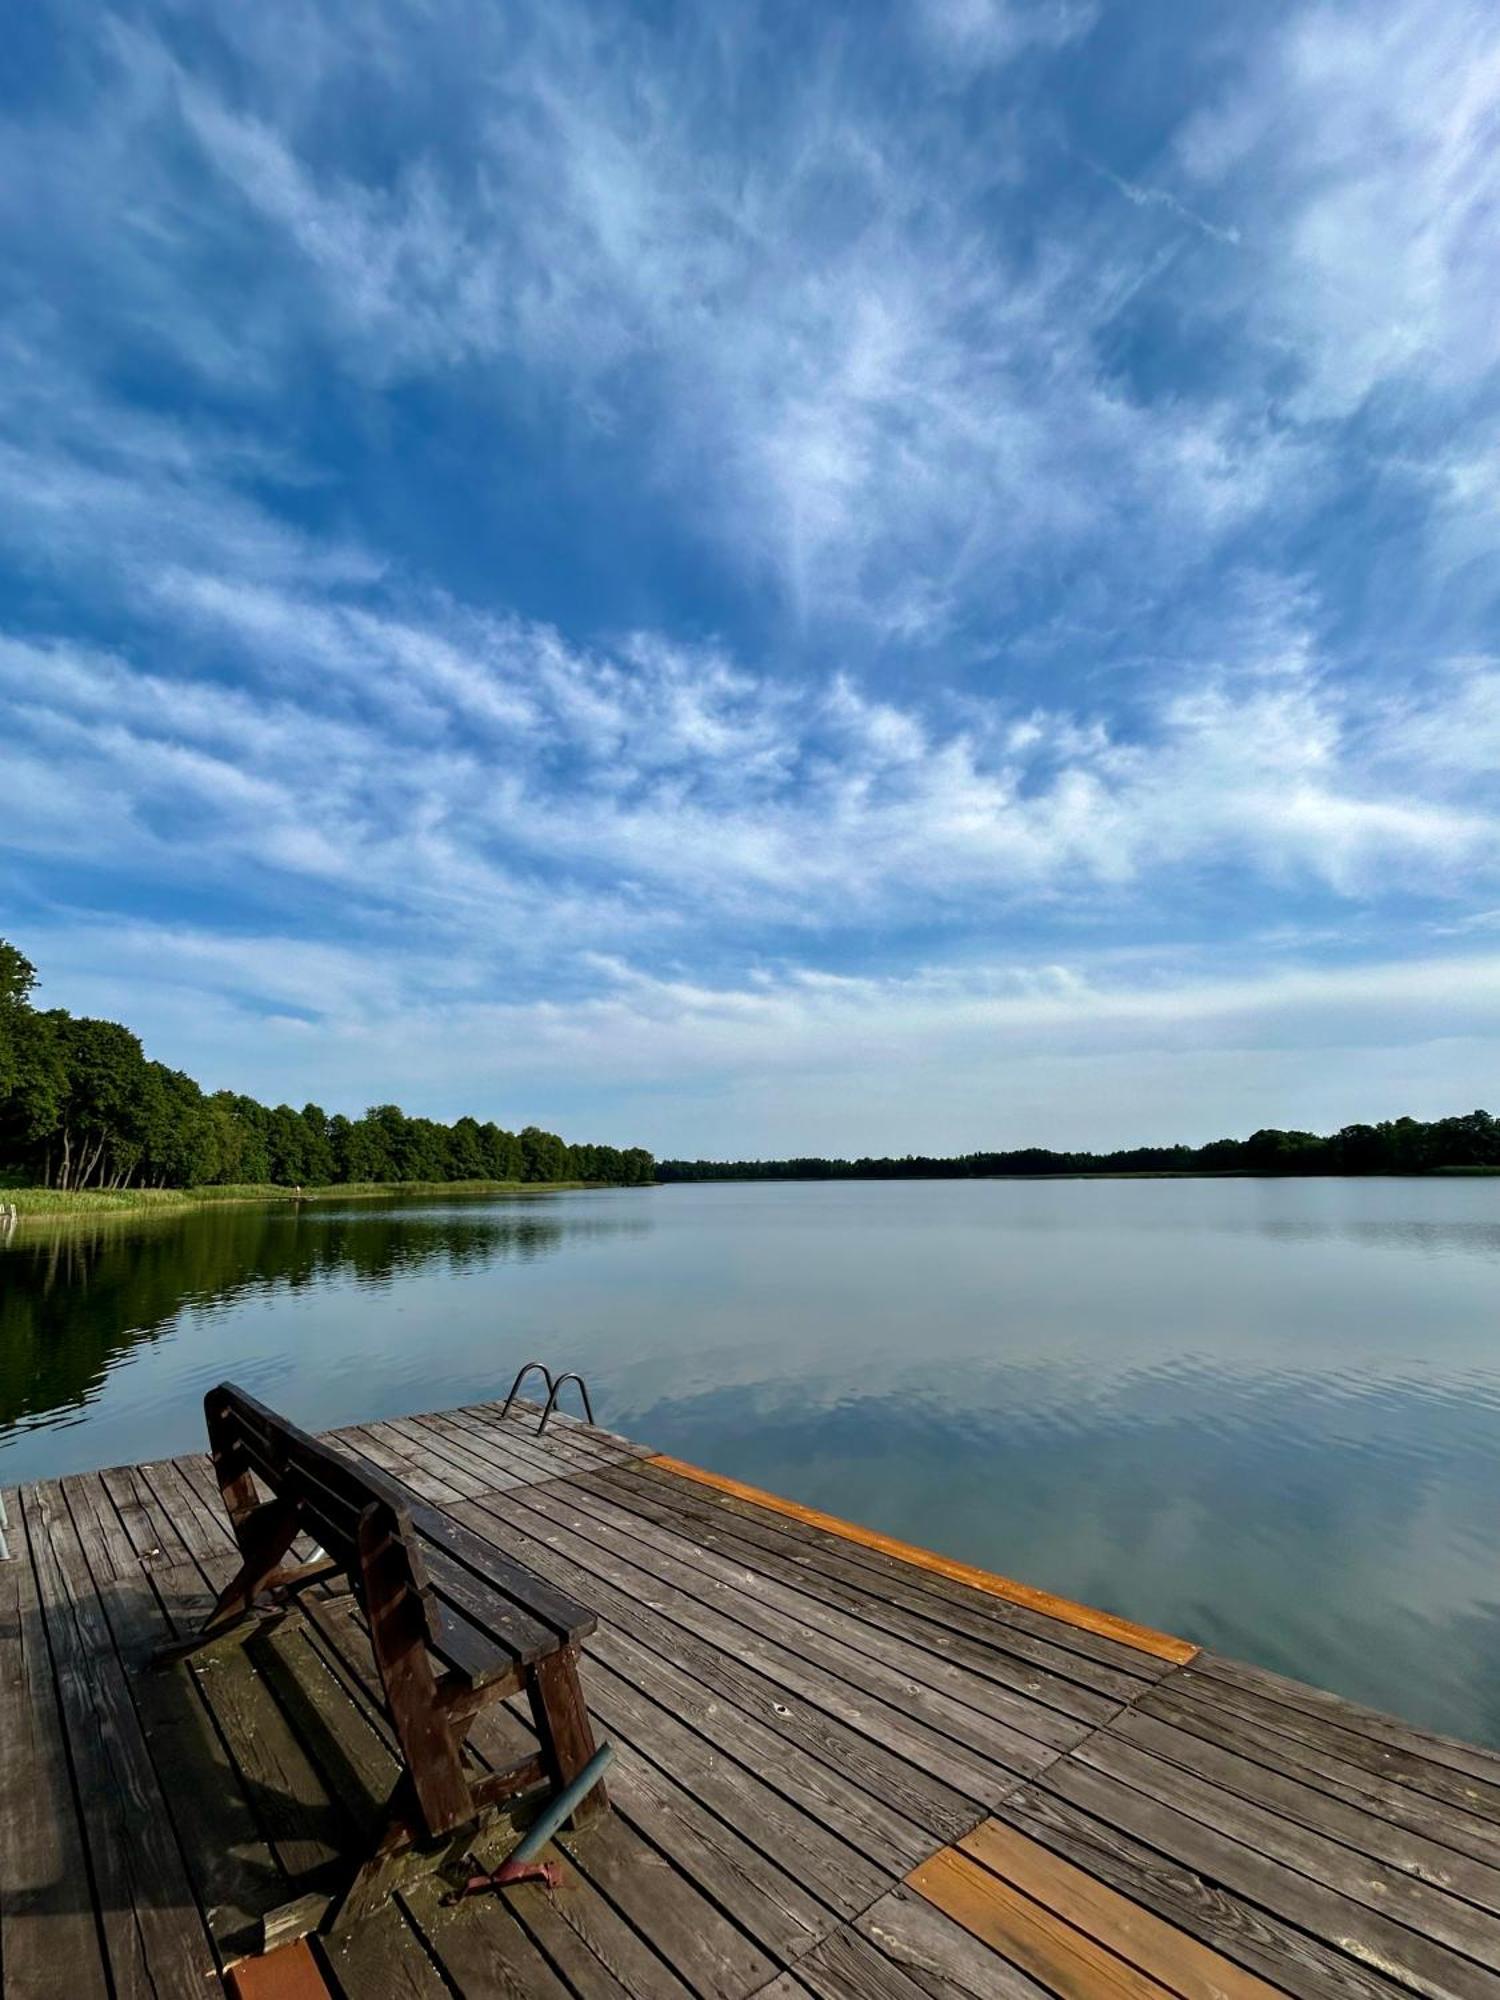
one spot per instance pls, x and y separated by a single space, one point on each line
568 1375
521 1373
554 1384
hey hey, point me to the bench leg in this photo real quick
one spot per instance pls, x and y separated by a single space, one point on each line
398 1636
562 1723
264 1538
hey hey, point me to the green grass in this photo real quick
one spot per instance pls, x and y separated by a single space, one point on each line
36 1203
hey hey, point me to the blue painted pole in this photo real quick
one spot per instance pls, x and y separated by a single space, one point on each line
543 1829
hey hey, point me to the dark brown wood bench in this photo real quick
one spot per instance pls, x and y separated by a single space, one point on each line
455 1624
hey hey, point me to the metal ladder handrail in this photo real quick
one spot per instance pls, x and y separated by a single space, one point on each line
568 1375
521 1373
554 1384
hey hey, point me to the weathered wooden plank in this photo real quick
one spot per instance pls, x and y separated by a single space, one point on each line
375 1444
234 1874
49 1936
122 1484
354 1760
902 1948
959 1704
731 1871
1470 1758
943 1957
494 1565
204 1530
1341 1913
850 1609
709 1951
1005 1730
1323 1729
994 1646
1356 1826
861 1816
1098 1843
495 1456
1429 1911
1167 1954
482 1948
808 1730
889 1573
465 1471
816 1861
503 1455
888 1723
155 1934
380 1958
539 1461
1123 1630
599 1954
563 1424
304 1828
338 1630
1381 1797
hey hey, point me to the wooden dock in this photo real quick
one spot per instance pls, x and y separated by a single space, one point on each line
845 1769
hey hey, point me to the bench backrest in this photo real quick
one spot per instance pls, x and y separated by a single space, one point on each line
331 1493
482 1612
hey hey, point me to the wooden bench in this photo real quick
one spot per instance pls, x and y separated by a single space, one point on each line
454 1624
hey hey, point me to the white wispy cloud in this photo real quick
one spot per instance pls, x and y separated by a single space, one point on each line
1369 131
438 759
1048 637
1099 1051
880 398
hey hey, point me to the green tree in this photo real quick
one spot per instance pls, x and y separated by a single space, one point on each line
466 1151
17 977
81 1106
101 1140
286 1147
543 1156
319 1160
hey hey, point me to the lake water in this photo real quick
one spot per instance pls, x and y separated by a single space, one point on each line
1262 1414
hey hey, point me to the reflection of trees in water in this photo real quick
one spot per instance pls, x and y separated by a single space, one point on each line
73 1301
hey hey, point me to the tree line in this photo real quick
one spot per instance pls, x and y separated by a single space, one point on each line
1398 1146
82 1106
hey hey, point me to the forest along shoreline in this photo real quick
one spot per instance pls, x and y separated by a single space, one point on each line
84 1113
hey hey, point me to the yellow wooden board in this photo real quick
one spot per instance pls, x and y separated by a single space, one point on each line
1066 1961
1179 1962
1084 1616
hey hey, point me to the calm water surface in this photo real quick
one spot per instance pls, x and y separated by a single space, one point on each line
1263 1414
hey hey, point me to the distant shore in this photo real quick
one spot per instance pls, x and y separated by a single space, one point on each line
1085 1174
39 1204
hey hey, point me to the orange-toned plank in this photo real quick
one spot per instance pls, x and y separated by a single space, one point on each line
1104 1623
1180 1962
288 1973
1020 1931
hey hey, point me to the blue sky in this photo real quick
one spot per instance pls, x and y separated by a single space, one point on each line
761 578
